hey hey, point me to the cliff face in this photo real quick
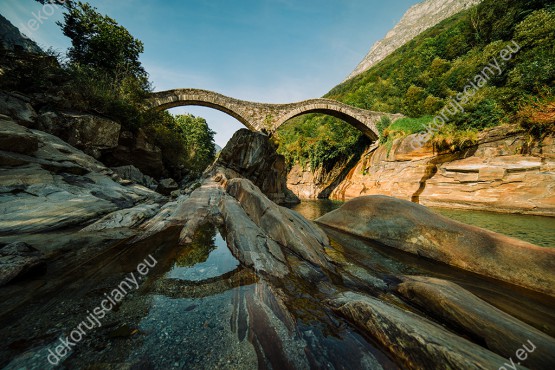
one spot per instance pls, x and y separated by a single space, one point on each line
505 172
11 38
416 20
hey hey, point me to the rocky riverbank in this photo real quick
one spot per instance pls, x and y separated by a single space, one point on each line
506 171
303 280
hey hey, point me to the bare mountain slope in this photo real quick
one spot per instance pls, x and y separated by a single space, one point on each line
416 20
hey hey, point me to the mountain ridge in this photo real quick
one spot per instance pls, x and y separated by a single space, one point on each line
417 19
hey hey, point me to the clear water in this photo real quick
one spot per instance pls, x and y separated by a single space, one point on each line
199 308
537 230
218 262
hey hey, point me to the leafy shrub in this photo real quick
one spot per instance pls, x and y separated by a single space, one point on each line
538 116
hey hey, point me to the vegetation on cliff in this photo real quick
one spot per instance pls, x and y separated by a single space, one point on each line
421 77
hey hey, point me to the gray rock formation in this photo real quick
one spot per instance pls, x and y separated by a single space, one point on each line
415 229
18 260
12 39
46 184
417 342
132 173
254 157
135 149
416 20
128 218
18 107
166 186
500 332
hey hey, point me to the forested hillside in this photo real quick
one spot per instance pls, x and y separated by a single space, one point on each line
420 79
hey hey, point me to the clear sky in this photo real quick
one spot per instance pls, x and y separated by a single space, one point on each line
261 50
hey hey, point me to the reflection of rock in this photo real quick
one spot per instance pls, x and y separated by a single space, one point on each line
177 288
46 184
18 260
198 251
416 341
254 157
415 229
500 332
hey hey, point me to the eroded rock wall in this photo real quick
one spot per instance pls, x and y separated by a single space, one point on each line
506 171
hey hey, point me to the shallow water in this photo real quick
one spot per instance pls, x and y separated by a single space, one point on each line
199 308
537 230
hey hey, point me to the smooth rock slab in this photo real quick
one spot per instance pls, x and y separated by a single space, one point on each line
283 225
129 217
417 342
502 333
414 228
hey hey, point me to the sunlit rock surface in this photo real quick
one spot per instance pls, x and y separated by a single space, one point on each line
414 228
504 172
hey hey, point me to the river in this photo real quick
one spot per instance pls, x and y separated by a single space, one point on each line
199 308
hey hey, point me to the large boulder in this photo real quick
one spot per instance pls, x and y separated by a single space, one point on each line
18 107
500 332
137 150
19 260
17 139
132 173
416 229
91 134
166 186
283 225
253 156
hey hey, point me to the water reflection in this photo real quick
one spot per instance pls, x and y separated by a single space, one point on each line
206 257
209 311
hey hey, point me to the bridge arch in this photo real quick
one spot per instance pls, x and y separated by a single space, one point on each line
265 116
328 107
163 101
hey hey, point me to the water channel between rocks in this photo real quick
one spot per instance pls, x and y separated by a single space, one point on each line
199 308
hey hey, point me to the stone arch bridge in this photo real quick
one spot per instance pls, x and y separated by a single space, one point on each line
268 117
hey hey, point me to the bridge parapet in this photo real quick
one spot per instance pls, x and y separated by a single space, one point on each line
266 116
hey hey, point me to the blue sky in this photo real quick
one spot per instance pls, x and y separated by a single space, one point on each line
261 50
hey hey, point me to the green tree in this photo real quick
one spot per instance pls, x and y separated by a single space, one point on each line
98 42
199 141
